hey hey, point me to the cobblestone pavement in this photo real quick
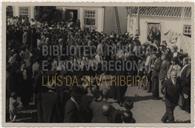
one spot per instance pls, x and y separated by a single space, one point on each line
147 110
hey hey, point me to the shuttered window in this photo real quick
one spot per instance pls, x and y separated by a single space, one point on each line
187 30
23 11
89 18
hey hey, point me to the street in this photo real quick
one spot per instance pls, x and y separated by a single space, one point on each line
147 110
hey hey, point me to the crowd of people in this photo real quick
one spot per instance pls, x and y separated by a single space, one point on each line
24 39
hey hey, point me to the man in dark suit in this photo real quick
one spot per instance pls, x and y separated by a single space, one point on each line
155 78
113 115
185 76
72 107
171 89
165 64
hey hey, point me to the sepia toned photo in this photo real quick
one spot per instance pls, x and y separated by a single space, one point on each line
84 64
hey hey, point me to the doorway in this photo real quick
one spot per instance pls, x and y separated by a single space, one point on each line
71 15
154 33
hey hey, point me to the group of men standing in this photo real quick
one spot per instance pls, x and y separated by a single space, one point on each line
167 70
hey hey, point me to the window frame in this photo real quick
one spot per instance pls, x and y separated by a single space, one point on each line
89 14
187 30
22 13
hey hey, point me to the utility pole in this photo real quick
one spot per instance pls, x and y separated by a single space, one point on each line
117 20
138 21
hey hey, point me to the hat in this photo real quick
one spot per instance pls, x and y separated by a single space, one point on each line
131 35
164 43
111 36
13 94
136 35
106 109
76 91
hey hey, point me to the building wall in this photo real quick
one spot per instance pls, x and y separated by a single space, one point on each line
31 12
99 15
110 19
172 24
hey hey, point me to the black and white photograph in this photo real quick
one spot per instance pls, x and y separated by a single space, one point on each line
98 64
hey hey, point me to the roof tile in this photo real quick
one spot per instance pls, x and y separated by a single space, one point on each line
162 11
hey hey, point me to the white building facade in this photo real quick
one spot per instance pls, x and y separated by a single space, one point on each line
101 18
84 14
93 14
24 11
174 24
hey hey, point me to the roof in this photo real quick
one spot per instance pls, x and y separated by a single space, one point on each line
162 11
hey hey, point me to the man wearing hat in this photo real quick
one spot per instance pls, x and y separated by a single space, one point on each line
155 78
136 40
72 107
171 89
163 72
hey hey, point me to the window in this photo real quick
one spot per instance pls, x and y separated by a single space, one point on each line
9 11
187 30
89 18
154 32
23 11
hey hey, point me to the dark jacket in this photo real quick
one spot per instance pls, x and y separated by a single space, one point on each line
171 92
186 79
164 69
156 68
86 111
72 112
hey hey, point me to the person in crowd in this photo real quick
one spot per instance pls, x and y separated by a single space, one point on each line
174 51
116 115
163 47
172 90
174 66
149 61
113 115
24 36
104 86
26 85
136 40
27 55
13 107
163 72
86 101
147 65
35 68
185 76
155 78
73 107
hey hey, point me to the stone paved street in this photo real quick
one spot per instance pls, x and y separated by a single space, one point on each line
147 110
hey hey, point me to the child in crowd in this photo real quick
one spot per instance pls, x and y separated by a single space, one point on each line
13 106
